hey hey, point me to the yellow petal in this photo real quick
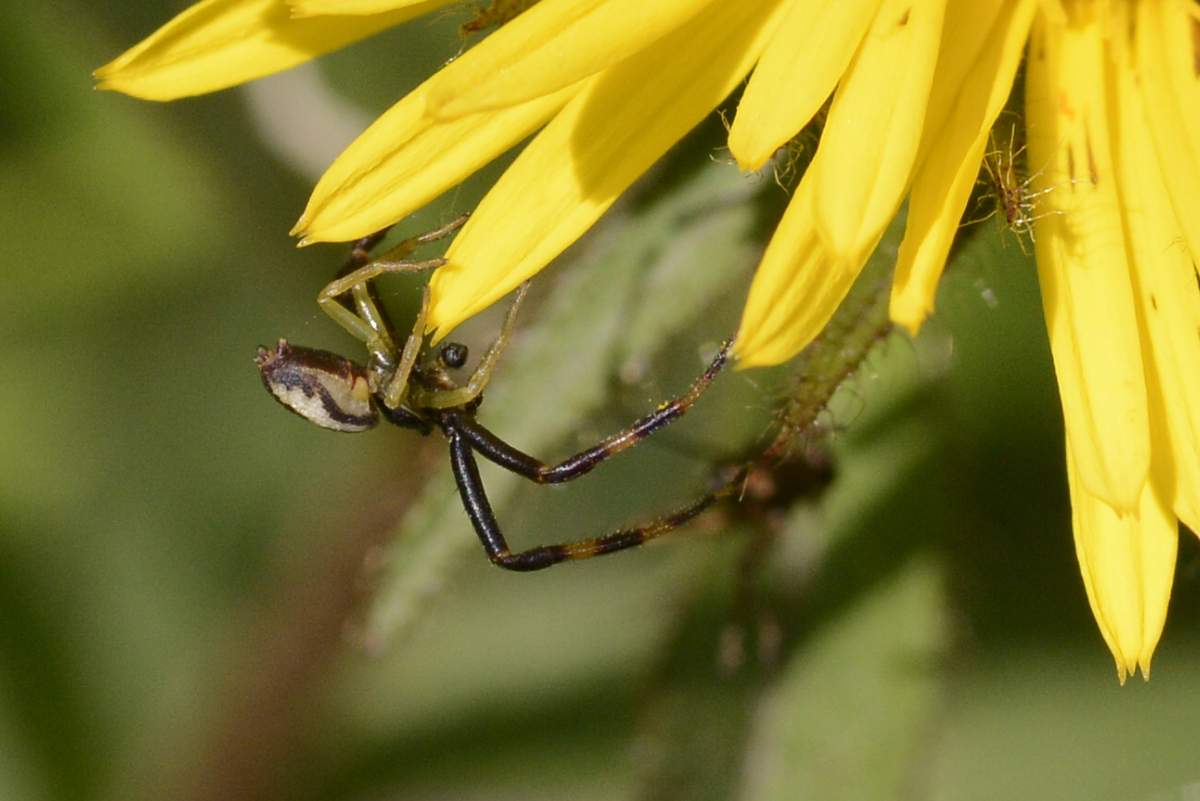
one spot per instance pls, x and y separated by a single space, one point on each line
870 140
215 44
981 47
1082 266
555 44
406 159
797 288
1128 565
1168 57
798 70
1169 303
313 8
601 142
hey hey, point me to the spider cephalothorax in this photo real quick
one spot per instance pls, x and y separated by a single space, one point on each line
411 386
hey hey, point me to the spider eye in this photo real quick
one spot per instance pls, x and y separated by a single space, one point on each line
320 386
453 355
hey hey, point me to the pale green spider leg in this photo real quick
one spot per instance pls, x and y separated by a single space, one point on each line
396 386
365 322
368 324
461 396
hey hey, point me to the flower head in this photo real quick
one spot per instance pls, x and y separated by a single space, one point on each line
914 88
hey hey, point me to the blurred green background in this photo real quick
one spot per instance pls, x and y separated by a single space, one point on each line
202 597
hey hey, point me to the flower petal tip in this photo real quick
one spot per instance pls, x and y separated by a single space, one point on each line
745 357
131 88
1122 674
1128 666
748 161
106 70
909 319
103 76
1145 658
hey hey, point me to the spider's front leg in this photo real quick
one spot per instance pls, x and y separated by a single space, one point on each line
365 321
354 277
468 392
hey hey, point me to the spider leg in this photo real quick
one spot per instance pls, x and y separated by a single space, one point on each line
369 271
366 322
446 399
401 250
393 392
479 510
369 325
360 251
974 221
443 232
496 450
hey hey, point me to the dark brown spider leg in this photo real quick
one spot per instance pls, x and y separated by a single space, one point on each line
496 450
360 251
479 510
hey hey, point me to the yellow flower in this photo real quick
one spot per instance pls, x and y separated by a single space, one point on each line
916 85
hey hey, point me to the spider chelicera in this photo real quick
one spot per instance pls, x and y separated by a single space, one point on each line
411 388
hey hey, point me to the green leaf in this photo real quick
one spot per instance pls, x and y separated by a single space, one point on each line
846 717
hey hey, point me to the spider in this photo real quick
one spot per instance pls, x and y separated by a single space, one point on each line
408 387
1012 194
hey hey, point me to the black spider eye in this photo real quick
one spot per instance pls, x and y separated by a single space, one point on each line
453 355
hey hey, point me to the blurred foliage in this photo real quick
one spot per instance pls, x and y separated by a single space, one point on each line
188 575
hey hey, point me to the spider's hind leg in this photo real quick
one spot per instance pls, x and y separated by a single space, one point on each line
496 450
479 510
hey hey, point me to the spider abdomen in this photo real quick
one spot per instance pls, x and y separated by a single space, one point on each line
320 386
